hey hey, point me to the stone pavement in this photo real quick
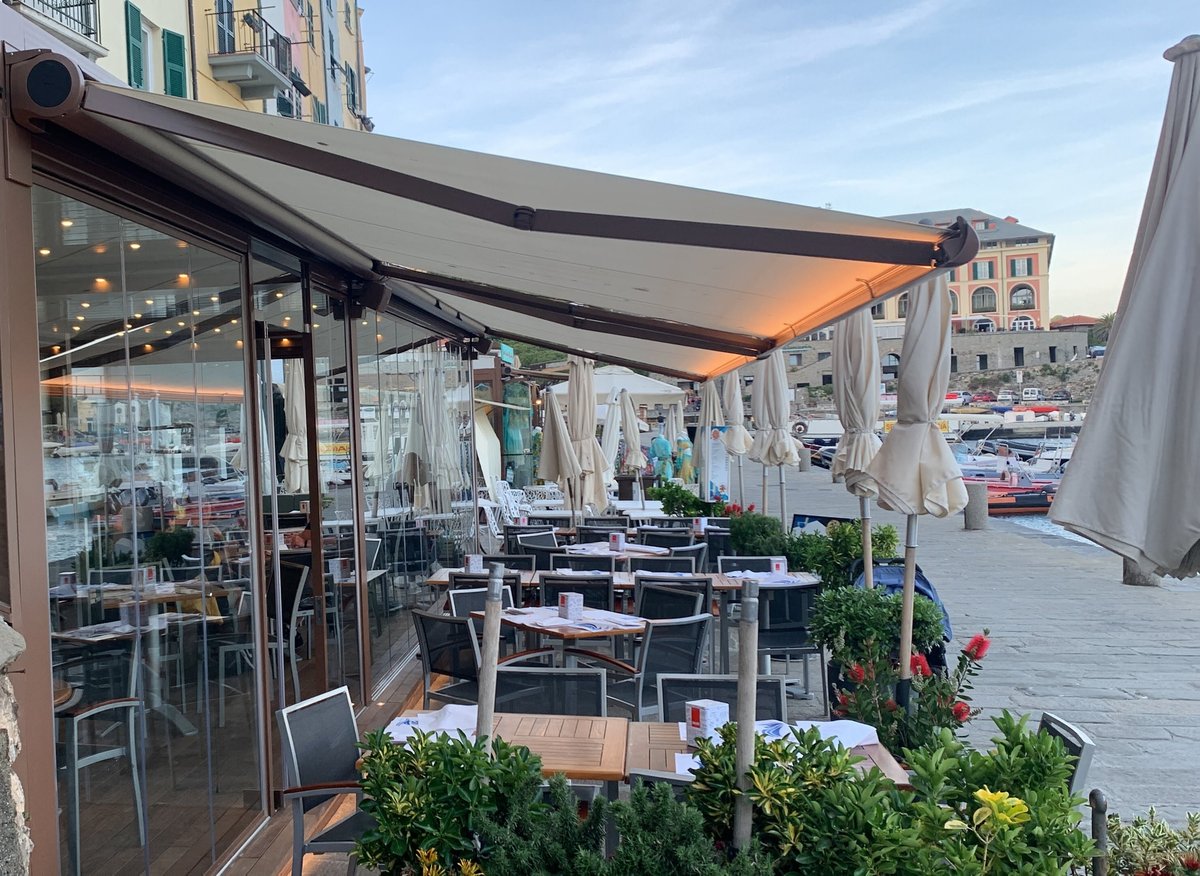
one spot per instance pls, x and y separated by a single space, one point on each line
1068 638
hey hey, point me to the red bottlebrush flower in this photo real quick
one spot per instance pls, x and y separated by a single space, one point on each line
856 674
977 648
838 713
961 712
919 666
891 706
842 698
1191 864
750 508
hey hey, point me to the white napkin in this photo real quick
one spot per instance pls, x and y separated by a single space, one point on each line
448 719
849 734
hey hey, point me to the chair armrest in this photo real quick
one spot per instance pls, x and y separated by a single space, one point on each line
92 709
528 654
610 662
324 789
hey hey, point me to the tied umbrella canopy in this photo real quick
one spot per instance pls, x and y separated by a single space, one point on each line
915 472
1133 479
711 418
737 436
558 462
856 379
610 437
635 459
773 443
589 488
295 446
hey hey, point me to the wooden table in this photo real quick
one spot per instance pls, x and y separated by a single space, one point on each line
653 746
518 618
441 578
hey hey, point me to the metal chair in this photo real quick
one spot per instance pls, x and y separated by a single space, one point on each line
720 544
513 534
511 562
548 690
543 555
474 580
668 646
655 602
698 552
675 689
719 523
583 563
597 590
663 564
702 584
670 523
448 646
589 534
319 741
465 601
725 565
668 538
618 521
1078 744
783 620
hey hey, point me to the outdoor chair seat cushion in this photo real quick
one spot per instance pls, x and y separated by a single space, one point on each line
348 830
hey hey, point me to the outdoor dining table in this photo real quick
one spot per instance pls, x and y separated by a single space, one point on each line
653 746
593 624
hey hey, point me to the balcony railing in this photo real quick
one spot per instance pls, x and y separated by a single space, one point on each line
248 51
80 16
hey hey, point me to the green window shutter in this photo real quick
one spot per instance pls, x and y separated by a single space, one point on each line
174 64
133 44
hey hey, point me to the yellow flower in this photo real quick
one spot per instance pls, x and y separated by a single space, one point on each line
999 809
469 868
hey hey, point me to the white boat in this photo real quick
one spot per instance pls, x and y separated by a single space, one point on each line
70 500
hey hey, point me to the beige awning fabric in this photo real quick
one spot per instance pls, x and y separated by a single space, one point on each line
856 381
682 281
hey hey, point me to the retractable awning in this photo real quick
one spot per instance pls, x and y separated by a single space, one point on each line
684 281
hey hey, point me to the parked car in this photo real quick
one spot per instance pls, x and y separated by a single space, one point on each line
1004 397
983 396
1032 394
1060 395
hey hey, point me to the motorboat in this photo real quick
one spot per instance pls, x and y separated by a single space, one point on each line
69 500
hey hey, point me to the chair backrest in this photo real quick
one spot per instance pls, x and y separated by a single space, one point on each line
597 590
319 740
698 552
676 689
293 578
124 576
511 562
543 522
407 550
588 534
373 546
463 602
720 544
551 691
474 580
743 564
662 564
447 644
655 602
1078 744
719 522
619 521
546 538
583 563
542 556
673 646
702 584
668 538
513 531
670 523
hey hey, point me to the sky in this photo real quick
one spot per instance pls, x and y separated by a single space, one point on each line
1045 111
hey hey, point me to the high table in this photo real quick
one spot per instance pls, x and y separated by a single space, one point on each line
653 746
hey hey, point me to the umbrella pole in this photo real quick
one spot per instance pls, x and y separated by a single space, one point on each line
764 488
782 502
864 512
904 688
489 656
741 484
746 734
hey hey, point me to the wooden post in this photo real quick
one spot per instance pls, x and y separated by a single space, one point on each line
743 813
490 655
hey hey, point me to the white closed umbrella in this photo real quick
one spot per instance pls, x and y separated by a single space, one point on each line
915 472
295 446
856 380
711 417
773 442
737 436
381 466
610 435
630 428
1133 480
589 487
415 470
558 461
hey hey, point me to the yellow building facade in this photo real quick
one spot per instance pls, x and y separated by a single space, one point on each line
297 58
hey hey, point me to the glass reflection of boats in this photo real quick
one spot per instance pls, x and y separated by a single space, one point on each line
67 500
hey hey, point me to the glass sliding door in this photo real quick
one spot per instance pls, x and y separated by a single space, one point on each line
142 346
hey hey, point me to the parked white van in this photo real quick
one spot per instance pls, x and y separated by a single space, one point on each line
1032 393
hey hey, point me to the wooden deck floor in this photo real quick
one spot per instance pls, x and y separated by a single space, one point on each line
270 852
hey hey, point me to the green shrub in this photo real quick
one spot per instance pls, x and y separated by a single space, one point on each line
757 535
170 545
850 621
539 839
1150 845
435 793
831 554
679 501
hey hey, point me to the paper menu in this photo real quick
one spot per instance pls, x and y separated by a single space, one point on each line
686 764
448 719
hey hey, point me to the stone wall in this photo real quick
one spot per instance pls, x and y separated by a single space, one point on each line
14 835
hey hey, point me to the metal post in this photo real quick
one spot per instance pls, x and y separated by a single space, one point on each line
489 655
864 513
782 502
743 814
1099 804
741 484
904 688
765 504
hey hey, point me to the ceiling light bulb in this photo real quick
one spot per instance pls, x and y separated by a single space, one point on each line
168 331
100 249
150 301
43 251
85 304
67 223
137 316
195 313
278 294
181 323
135 245
217 330
215 298
80 317
76 327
